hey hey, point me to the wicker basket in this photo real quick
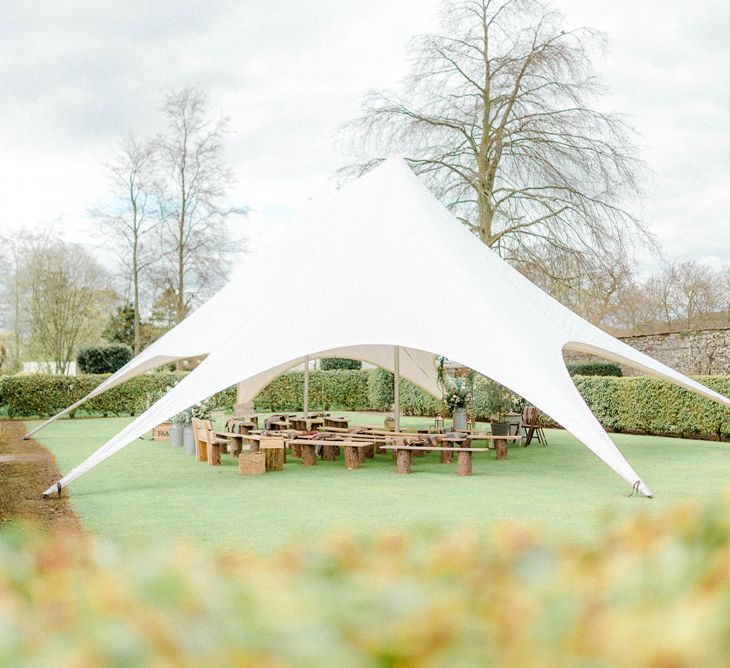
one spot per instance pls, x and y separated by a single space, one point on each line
252 463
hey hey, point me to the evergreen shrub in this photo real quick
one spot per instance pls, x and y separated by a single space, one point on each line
103 359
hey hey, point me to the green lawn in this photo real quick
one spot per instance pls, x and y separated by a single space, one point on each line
149 491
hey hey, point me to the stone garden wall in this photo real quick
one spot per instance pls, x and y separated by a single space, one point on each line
705 352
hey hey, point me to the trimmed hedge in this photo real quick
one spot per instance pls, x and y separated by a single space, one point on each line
103 359
44 395
346 389
335 363
413 400
595 369
621 404
655 406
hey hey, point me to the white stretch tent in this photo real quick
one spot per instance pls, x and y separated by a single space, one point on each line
382 263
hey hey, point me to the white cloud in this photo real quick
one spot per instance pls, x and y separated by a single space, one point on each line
74 75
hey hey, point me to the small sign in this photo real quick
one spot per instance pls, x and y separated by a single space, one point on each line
161 432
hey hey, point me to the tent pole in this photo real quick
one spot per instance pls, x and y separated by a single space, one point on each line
306 386
396 386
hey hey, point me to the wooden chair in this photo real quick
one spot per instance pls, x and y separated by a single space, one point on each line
208 443
531 425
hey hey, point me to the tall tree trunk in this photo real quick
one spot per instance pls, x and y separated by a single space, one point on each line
180 306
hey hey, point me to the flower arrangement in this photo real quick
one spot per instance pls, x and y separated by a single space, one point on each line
456 397
201 411
184 418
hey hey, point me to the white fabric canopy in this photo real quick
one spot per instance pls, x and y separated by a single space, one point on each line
382 263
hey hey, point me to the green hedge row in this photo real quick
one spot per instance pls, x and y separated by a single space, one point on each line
621 404
595 369
346 389
44 395
656 407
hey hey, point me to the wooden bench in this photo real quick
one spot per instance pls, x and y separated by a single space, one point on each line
498 441
404 456
352 450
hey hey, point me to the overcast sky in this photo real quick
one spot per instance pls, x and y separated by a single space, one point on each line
75 75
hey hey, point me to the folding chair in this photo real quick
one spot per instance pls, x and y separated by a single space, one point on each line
531 425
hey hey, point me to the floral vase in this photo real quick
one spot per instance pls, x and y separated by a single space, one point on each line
459 418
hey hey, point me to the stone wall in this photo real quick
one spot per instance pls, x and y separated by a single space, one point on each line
692 353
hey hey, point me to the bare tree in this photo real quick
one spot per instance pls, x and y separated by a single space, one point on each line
682 296
661 295
194 182
497 115
130 176
635 312
697 295
595 295
16 252
67 300
724 282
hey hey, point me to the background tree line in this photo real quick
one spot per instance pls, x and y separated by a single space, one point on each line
501 116
165 220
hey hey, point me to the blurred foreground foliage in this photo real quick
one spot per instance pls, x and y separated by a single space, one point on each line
652 592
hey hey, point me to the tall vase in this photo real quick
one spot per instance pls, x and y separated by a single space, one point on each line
459 418
188 441
176 435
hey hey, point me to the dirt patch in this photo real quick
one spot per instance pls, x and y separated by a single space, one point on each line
26 470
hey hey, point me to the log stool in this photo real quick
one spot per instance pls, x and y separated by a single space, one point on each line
274 458
447 456
309 456
463 462
296 450
403 461
500 447
236 445
352 457
329 452
274 452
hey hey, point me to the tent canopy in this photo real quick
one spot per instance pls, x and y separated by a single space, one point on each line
382 263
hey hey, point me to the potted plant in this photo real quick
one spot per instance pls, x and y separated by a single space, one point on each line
499 401
455 400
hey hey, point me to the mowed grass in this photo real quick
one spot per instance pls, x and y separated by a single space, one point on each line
151 492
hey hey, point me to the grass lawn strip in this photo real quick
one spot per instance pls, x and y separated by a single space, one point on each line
150 491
